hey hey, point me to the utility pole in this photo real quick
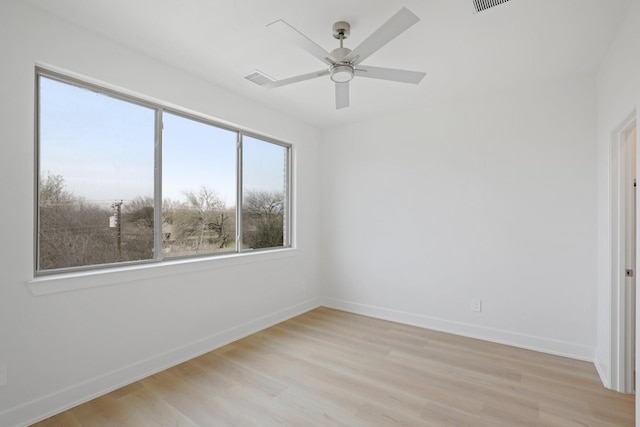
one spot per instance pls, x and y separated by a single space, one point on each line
117 211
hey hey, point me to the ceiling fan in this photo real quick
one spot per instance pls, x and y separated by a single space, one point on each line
344 63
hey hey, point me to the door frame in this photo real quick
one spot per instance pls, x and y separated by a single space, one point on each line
622 332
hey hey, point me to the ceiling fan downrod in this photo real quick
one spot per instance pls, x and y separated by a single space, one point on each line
341 72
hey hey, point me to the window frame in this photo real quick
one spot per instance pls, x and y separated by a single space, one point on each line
159 109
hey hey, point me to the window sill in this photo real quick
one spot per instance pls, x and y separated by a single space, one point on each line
67 282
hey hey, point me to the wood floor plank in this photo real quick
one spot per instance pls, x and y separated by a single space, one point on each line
332 368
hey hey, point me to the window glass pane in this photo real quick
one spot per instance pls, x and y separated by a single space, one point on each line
96 166
264 195
198 188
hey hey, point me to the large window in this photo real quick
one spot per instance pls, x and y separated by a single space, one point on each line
121 180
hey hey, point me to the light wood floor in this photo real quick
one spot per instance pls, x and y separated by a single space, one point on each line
331 368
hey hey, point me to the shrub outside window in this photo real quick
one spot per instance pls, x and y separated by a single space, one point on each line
121 180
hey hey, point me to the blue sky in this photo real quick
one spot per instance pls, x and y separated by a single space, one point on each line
104 149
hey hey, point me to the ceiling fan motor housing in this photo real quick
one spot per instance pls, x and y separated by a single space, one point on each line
340 53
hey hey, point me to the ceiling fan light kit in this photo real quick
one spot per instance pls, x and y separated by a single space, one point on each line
341 73
343 63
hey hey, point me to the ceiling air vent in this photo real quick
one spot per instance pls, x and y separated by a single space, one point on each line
482 5
259 78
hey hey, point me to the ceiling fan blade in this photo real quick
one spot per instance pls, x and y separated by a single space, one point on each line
296 79
403 76
342 95
290 34
395 26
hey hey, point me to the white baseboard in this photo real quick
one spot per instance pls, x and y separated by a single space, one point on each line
46 406
529 342
603 372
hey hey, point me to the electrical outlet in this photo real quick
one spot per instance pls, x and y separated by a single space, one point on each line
3 374
476 305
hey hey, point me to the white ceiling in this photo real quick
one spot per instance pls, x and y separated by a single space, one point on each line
463 53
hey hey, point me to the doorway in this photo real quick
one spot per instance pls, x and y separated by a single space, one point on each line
623 255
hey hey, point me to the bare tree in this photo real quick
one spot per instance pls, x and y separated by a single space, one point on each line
207 213
169 208
263 218
263 202
137 224
73 232
53 192
221 227
140 211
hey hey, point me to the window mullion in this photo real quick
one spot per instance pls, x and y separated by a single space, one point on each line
157 192
288 209
239 194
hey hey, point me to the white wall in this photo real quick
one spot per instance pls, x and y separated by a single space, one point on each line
491 198
65 347
618 94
